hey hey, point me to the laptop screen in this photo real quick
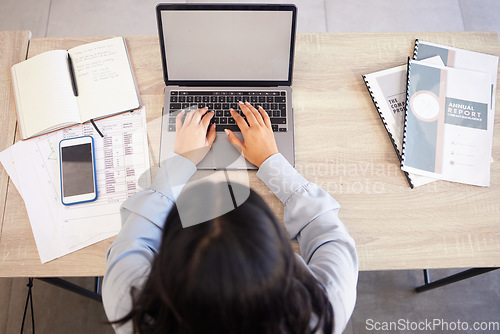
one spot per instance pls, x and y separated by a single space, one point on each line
221 44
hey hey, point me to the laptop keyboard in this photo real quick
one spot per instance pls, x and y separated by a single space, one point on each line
274 102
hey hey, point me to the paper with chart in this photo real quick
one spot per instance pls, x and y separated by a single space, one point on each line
122 167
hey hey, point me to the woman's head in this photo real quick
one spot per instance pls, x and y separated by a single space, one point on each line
235 273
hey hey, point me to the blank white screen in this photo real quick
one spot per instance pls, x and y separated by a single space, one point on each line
227 45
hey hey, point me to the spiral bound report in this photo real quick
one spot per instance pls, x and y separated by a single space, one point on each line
387 91
444 80
381 114
449 124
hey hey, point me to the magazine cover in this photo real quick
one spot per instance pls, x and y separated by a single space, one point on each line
449 124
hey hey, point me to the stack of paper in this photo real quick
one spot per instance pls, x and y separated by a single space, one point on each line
439 112
122 167
450 114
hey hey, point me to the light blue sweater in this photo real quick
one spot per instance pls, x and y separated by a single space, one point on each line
310 217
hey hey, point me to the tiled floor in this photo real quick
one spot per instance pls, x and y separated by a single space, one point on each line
382 296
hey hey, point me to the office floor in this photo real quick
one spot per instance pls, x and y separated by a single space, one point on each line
383 296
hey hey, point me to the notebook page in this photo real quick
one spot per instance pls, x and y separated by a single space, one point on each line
104 77
44 93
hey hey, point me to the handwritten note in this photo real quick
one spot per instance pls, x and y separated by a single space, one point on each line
103 75
95 64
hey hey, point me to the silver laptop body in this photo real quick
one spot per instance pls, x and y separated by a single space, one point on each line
217 55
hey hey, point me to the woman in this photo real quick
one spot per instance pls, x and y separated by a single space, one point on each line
235 273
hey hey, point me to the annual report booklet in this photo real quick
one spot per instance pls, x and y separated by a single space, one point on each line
449 123
60 88
388 92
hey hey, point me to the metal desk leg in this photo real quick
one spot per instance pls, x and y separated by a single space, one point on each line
451 279
29 301
74 288
62 284
97 286
427 278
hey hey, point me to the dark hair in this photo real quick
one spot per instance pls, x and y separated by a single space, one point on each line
236 273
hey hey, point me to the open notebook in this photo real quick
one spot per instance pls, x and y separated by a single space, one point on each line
60 88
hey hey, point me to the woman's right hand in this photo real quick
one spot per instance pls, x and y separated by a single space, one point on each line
259 143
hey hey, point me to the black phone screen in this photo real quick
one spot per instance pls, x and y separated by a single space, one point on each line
77 170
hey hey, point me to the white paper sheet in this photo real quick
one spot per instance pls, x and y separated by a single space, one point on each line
10 167
122 167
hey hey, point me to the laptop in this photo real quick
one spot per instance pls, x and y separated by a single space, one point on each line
219 54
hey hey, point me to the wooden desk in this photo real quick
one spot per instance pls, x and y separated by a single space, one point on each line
14 46
341 144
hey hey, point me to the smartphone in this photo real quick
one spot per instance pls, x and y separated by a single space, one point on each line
77 166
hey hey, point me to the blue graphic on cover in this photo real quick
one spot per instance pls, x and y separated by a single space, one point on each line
422 118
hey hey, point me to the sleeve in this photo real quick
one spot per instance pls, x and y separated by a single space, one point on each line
311 217
129 259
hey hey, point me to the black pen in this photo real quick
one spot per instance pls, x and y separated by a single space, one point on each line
72 74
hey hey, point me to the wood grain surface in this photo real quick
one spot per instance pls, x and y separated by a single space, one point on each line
340 144
14 49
